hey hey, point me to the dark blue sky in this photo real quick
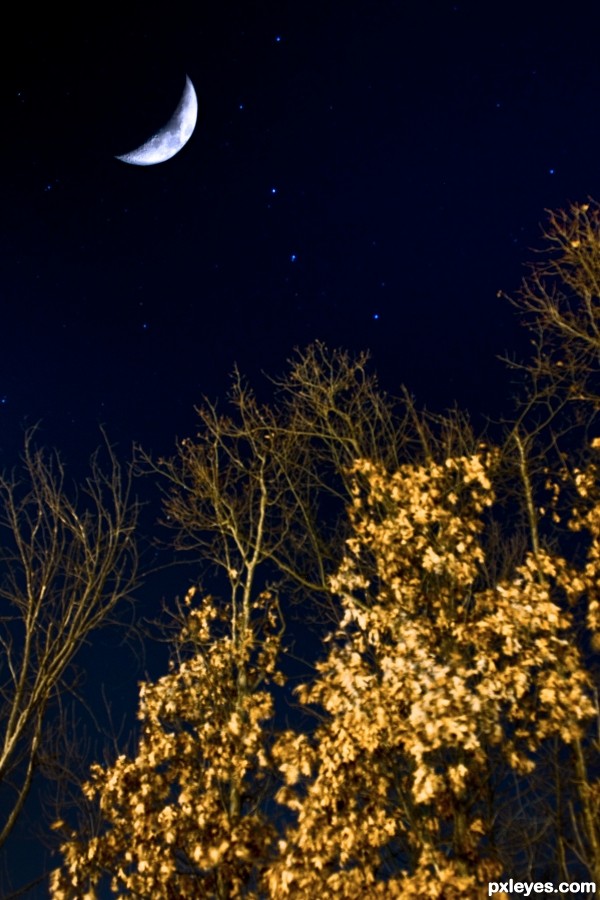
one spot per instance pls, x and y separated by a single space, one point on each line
412 148
367 173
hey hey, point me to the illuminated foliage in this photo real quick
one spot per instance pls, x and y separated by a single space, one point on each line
181 819
429 676
458 678
426 674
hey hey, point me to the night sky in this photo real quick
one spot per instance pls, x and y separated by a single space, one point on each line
366 173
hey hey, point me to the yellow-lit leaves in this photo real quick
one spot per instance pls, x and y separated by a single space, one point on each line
431 675
174 816
419 686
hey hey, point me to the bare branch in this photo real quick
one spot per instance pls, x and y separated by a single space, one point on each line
67 559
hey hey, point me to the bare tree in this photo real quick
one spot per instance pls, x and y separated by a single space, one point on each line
558 302
549 467
559 394
67 557
261 492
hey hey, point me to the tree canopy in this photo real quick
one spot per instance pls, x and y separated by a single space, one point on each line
448 733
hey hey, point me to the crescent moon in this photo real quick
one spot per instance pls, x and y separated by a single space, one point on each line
172 136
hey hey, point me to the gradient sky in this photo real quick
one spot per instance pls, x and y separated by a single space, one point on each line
351 161
367 173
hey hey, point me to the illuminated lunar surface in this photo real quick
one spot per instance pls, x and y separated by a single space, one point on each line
172 137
